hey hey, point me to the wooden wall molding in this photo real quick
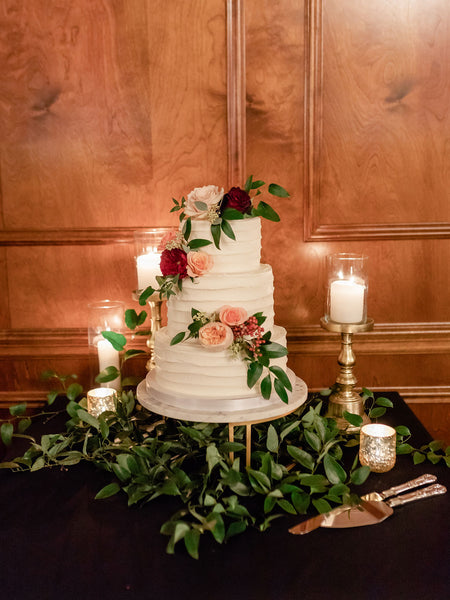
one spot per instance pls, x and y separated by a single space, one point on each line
388 338
68 237
314 230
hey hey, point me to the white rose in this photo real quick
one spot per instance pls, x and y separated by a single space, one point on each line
209 195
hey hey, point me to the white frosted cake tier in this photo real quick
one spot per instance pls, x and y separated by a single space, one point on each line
250 290
219 410
235 256
191 370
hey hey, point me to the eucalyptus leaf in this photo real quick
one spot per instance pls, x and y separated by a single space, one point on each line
360 475
302 457
272 439
333 470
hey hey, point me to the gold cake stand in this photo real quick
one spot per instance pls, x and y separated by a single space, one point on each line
235 412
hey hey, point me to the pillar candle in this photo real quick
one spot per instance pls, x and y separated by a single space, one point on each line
148 269
346 301
108 357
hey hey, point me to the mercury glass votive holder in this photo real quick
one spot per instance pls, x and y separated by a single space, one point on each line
347 286
100 400
377 448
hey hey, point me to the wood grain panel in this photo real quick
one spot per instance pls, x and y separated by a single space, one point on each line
103 96
52 287
378 124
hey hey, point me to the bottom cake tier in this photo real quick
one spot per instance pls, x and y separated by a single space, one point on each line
190 370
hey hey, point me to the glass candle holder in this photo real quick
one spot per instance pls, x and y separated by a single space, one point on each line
347 285
148 249
377 447
100 400
106 315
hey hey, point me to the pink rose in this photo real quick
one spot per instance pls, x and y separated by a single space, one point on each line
170 236
232 315
209 195
199 263
215 336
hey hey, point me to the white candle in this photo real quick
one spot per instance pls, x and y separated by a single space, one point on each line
108 357
346 301
148 269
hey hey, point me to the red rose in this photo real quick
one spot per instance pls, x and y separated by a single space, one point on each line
237 199
174 262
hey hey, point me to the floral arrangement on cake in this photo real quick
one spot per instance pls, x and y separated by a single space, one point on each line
181 256
230 328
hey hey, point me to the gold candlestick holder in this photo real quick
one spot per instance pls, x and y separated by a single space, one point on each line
154 303
344 398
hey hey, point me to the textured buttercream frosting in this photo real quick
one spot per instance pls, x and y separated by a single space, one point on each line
250 290
188 369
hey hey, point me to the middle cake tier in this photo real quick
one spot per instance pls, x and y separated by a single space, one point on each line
252 291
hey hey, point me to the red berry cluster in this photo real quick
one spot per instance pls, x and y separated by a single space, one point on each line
252 329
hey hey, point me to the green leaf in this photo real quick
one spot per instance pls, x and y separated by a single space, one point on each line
18 409
88 418
404 449
215 232
282 376
360 475
277 190
333 470
177 338
267 212
266 387
418 458
49 374
117 340
272 439
201 205
51 397
353 419
74 390
149 291
301 501
131 353
6 431
227 229
286 506
384 402
198 243
302 457
273 350
108 374
187 226
108 491
248 184
375 413
321 505
254 371
235 528
23 425
231 214
402 430
281 391
313 440
133 320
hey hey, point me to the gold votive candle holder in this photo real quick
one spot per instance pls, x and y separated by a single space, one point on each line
377 448
100 400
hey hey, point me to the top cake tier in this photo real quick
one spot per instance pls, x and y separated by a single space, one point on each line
235 256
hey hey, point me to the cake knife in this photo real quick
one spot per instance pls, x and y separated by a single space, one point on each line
318 520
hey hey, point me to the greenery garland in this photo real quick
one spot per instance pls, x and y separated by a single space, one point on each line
297 462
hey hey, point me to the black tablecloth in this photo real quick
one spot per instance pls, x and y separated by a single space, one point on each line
56 541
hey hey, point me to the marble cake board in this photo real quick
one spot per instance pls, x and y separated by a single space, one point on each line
233 411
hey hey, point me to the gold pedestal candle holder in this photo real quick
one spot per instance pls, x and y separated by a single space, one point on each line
154 303
344 398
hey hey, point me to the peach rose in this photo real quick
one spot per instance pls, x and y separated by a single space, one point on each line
199 263
210 195
215 336
232 315
170 236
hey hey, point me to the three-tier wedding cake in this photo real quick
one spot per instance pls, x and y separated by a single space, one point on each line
220 343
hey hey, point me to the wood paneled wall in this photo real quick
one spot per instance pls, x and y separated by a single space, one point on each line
108 109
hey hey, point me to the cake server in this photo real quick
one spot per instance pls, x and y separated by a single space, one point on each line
314 522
